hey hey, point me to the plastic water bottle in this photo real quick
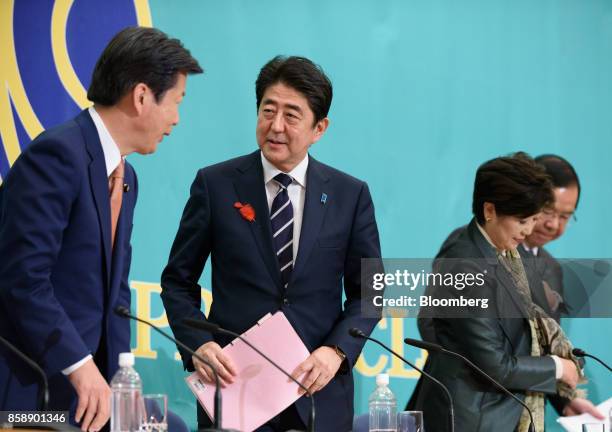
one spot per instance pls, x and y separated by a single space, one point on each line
383 407
126 389
610 419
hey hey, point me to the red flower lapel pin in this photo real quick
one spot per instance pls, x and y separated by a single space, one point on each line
246 211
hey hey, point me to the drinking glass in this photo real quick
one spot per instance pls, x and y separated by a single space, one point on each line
154 413
593 427
410 421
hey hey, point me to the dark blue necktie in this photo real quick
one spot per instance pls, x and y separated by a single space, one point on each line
281 218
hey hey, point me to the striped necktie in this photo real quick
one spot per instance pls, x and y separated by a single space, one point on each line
281 218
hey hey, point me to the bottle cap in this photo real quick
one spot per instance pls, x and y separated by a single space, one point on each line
382 379
126 359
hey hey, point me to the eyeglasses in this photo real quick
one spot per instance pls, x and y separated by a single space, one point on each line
564 218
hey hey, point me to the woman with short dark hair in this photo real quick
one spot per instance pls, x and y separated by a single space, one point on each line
514 340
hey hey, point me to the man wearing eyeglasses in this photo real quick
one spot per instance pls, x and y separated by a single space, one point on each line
551 225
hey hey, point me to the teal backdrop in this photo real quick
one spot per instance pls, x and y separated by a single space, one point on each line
424 91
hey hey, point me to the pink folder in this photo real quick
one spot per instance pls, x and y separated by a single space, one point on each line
260 391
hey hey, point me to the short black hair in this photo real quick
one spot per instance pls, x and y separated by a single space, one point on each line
515 184
139 55
561 172
302 75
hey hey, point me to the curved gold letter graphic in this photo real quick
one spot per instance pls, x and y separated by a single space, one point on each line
11 85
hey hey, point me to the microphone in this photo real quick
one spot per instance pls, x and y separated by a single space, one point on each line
44 394
429 346
580 353
124 312
215 328
357 333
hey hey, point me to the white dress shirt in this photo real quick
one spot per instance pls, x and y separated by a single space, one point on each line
112 157
532 250
296 191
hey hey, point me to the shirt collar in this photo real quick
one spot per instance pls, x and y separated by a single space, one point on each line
488 239
112 156
532 250
298 174
513 253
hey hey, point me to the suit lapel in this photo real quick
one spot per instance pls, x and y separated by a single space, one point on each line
314 211
506 281
250 188
501 275
99 183
534 272
117 256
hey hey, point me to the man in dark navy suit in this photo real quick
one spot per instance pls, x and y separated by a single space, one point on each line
65 225
284 232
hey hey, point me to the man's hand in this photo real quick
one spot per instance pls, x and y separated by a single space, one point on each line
212 352
320 367
570 373
94 396
581 406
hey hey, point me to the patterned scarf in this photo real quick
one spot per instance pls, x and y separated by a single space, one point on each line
547 338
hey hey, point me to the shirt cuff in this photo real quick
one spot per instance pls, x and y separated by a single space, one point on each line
77 365
558 366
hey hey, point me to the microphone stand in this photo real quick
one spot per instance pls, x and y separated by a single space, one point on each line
438 348
580 353
43 395
214 328
356 333
43 403
125 313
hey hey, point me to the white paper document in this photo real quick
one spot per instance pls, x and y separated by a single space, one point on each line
574 423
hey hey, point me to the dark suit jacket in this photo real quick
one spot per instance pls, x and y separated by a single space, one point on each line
59 278
500 346
543 267
550 271
246 281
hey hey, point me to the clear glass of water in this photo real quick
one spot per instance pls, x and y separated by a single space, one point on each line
410 421
154 413
593 427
